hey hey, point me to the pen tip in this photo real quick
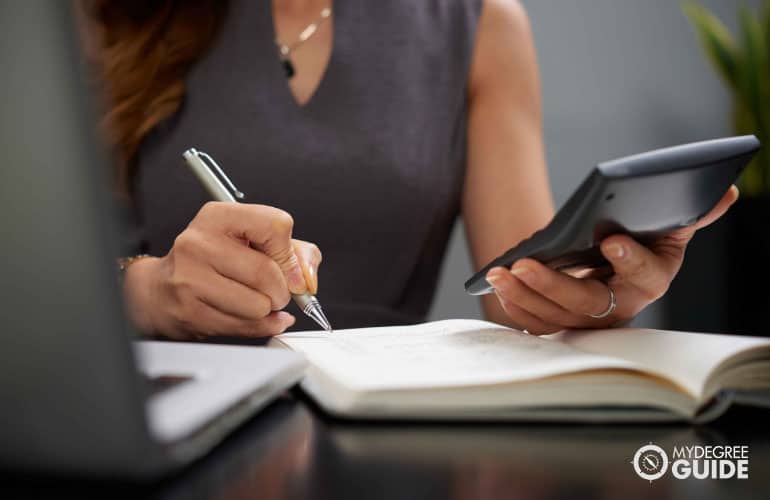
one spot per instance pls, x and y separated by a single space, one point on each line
319 317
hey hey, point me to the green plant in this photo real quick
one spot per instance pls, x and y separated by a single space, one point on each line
743 62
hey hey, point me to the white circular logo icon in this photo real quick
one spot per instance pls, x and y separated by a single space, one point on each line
650 462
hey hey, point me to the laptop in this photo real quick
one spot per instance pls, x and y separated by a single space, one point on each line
80 394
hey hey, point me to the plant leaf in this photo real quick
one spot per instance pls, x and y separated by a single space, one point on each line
750 181
752 69
751 83
716 40
766 77
765 139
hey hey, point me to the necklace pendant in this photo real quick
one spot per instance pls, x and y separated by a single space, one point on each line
288 67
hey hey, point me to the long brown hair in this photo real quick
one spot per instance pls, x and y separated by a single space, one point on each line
141 51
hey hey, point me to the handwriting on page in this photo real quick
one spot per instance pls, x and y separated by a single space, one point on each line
440 352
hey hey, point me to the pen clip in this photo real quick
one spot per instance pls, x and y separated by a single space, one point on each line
238 194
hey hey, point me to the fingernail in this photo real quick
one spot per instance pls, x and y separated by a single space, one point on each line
737 193
493 280
524 274
616 250
289 318
313 279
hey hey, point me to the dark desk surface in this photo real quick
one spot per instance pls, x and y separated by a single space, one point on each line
291 450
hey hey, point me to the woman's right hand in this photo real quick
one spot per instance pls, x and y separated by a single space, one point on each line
230 272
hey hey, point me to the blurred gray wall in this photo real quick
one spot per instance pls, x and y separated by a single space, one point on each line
618 77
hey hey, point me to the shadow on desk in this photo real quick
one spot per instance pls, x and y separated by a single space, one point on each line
291 450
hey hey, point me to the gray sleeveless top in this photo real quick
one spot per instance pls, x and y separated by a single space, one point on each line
371 168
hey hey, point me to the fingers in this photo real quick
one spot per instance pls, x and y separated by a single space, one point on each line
637 266
266 228
553 297
209 321
525 321
310 258
542 300
730 197
232 297
682 236
229 272
253 269
649 271
525 307
513 291
575 296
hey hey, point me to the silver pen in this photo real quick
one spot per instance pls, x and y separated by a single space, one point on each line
221 188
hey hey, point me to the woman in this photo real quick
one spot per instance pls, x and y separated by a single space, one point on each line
364 127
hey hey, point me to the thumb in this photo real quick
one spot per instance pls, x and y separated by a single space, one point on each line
279 246
267 229
309 259
638 266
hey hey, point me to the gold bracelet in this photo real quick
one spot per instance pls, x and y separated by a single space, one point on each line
124 262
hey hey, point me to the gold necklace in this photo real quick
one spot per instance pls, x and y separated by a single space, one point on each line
285 50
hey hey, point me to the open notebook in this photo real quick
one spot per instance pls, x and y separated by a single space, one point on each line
468 369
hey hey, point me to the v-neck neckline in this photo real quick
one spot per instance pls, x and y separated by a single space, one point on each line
277 69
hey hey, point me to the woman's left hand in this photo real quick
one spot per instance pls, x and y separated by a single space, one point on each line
540 300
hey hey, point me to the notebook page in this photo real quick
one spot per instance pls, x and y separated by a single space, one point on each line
686 358
440 353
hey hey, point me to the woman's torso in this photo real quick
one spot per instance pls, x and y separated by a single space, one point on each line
371 168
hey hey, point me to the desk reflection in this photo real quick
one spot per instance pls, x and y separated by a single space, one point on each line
291 450
305 454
